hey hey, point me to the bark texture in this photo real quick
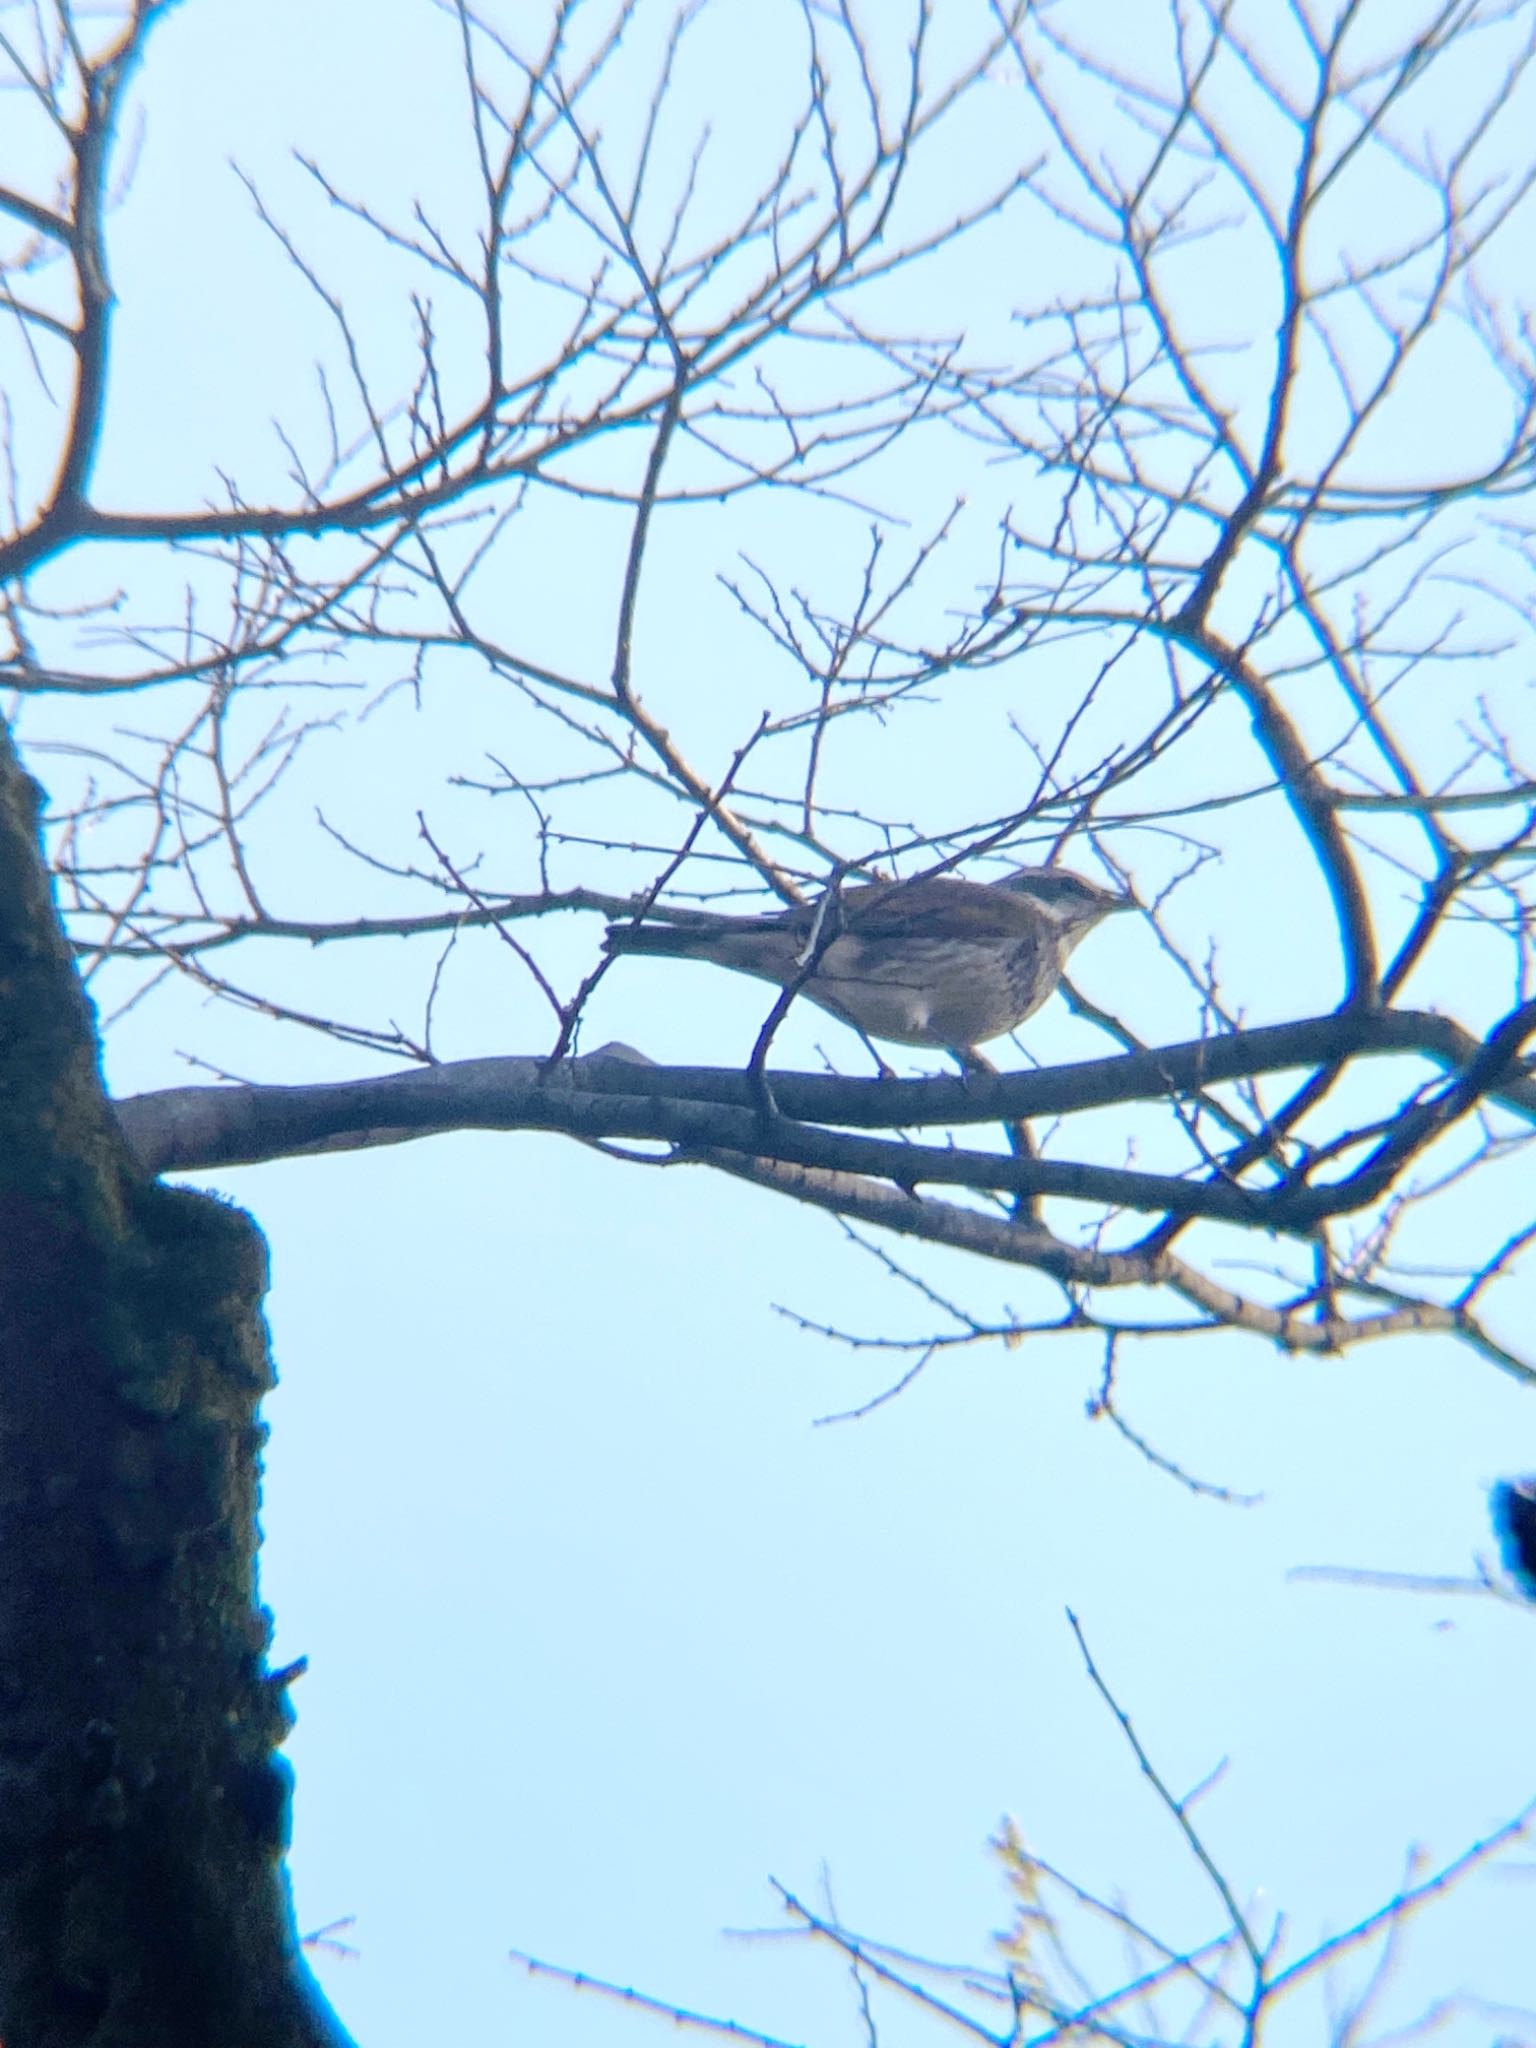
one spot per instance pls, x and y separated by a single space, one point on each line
143 1809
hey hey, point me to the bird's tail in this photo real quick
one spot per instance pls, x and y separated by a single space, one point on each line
672 940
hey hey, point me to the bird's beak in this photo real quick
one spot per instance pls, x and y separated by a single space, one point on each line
1115 903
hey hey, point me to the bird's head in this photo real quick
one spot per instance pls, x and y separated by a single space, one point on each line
1072 904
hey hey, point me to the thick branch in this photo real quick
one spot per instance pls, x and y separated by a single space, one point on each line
184 1129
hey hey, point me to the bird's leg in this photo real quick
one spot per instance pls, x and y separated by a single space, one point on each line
883 1071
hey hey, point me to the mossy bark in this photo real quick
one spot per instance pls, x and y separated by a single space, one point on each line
143 1808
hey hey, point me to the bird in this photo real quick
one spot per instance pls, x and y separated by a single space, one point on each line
937 961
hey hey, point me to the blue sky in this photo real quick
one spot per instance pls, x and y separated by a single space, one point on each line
605 1626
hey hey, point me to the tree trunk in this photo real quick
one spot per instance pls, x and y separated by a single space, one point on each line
143 1810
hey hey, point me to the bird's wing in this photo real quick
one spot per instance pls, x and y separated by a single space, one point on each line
937 905
940 903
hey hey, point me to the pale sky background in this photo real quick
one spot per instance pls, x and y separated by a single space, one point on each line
604 1631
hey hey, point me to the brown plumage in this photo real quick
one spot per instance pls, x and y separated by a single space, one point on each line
940 961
